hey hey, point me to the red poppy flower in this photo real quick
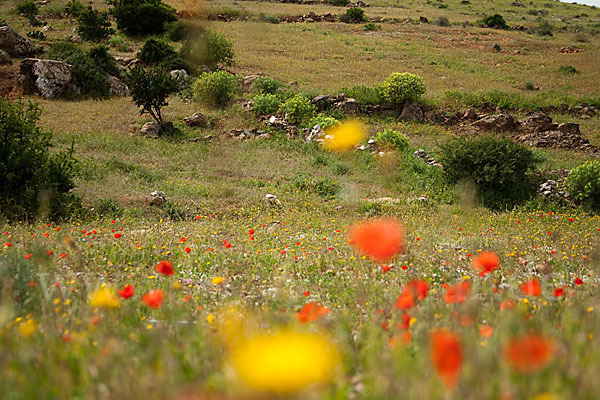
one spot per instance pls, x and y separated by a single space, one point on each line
153 298
379 239
578 281
118 235
559 292
419 287
385 268
406 299
457 293
447 357
187 250
164 267
486 331
405 323
486 262
28 256
311 312
529 353
127 292
531 288
507 305
8 244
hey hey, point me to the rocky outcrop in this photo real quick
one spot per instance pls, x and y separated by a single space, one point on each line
4 58
117 87
196 120
156 198
49 78
151 129
16 45
498 123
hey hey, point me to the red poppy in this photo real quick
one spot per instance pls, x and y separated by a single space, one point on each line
311 312
486 331
379 239
457 293
28 256
447 357
419 287
406 299
153 298
529 353
164 267
307 293
127 292
187 250
559 292
578 281
385 268
8 244
118 235
507 305
531 288
405 323
486 262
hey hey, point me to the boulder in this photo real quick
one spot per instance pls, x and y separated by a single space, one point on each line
117 87
249 80
569 127
347 106
411 112
179 74
500 123
151 129
196 120
16 45
538 122
322 101
156 198
49 78
4 58
470 114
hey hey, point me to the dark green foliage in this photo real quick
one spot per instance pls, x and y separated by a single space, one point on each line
583 183
89 76
104 60
93 25
496 21
339 3
324 187
63 50
499 168
207 48
265 104
28 8
176 31
354 15
74 8
33 179
216 87
150 90
567 69
543 29
442 21
265 85
142 17
158 52
529 86
371 27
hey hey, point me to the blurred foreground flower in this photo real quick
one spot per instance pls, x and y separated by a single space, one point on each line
447 357
344 136
27 328
379 239
529 353
311 312
153 298
104 297
486 262
285 361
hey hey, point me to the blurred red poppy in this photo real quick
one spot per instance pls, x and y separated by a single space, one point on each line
457 293
379 239
153 298
165 268
419 287
127 292
531 288
486 262
406 299
311 312
447 357
529 353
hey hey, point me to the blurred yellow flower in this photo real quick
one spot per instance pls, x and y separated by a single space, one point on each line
344 136
217 280
285 361
104 297
27 328
545 396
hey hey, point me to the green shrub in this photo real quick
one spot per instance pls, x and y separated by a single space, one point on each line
567 69
33 179
580 37
324 121
104 60
339 3
496 21
108 207
369 27
265 104
216 87
208 48
118 43
442 21
74 8
158 52
499 168
543 29
323 187
364 94
150 90
63 50
28 8
529 86
272 19
354 15
93 25
583 183
265 84
298 109
176 31
394 139
142 17
89 76
401 87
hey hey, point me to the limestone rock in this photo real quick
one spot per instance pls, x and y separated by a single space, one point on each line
500 123
151 129
196 120
16 45
117 87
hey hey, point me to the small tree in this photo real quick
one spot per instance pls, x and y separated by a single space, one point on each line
142 17
93 25
150 90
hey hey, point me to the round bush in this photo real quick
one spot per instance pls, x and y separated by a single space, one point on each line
93 25
298 109
583 183
142 17
265 104
208 48
499 168
264 84
32 178
323 121
401 87
216 87
393 139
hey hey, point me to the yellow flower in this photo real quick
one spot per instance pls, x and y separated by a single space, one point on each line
344 136
104 297
217 280
545 396
27 328
285 361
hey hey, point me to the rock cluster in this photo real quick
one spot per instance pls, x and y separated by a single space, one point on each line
310 17
422 154
554 189
156 198
242 134
15 45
